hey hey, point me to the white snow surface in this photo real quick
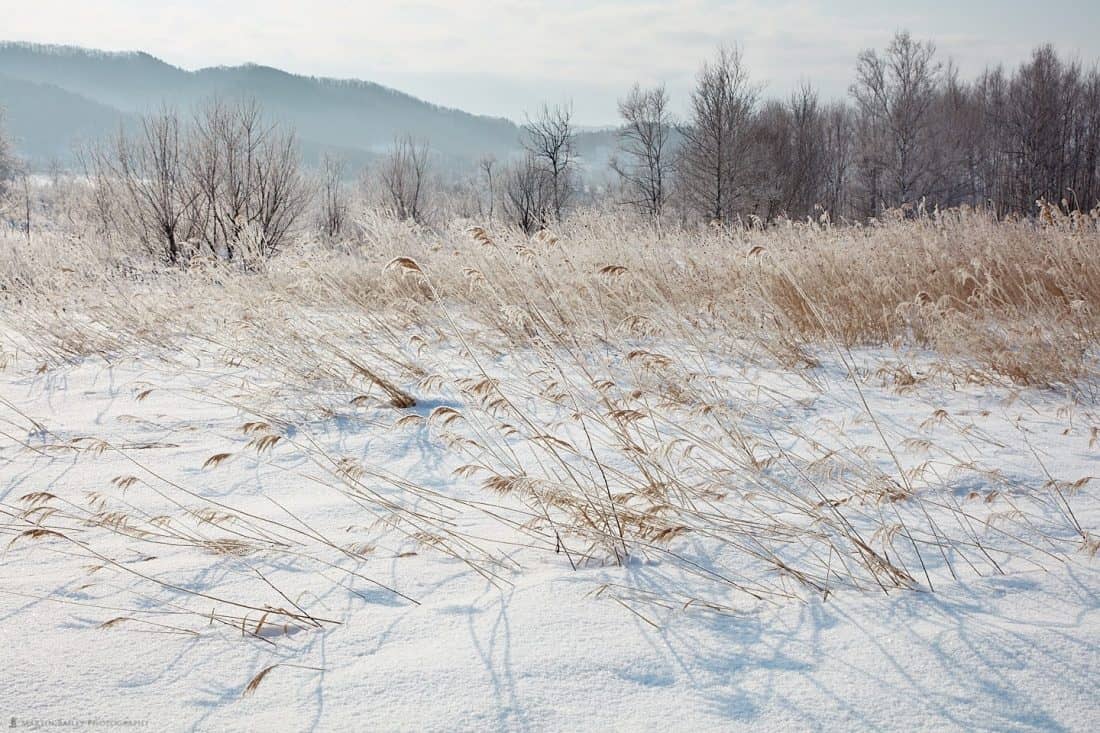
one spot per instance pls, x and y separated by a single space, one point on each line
540 649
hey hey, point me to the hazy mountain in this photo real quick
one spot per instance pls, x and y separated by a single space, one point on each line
54 95
47 121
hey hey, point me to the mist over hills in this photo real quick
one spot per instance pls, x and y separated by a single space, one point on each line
47 121
56 96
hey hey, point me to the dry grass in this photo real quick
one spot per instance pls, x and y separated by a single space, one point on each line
588 409
1015 299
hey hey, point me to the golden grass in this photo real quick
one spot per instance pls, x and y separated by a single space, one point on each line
1016 299
611 329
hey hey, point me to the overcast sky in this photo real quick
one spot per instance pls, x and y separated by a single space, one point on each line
503 57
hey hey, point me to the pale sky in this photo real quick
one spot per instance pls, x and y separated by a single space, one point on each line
504 57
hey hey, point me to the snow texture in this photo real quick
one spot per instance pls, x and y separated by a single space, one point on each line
543 650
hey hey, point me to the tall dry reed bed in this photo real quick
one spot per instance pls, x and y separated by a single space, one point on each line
606 393
1019 299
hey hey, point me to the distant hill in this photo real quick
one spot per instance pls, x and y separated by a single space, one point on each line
47 122
55 95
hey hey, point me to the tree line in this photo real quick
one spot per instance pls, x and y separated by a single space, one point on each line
911 136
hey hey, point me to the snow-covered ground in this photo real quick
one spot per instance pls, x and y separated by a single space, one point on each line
105 619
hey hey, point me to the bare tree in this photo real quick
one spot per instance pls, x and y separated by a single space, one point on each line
228 179
716 157
281 194
645 168
247 177
839 144
147 180
334 204
1087 184
961 144
404 178
793 138
103 202
896 93
1040 124
225 143
529 194
550 140
486 167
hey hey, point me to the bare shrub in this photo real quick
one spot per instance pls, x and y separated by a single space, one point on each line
528 195
228 182
405 178
145 179
247 173
334 197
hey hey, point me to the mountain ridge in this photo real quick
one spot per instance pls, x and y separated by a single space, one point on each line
327 112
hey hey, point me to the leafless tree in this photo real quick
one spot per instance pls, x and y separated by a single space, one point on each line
959 154
1087 184
915 134
529 194
550 141
896 93
227 178
281 194
645 166
404 178
716 157
146 179
247 177
334 203
793 138
487 168
1045 123
839 148
225 142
